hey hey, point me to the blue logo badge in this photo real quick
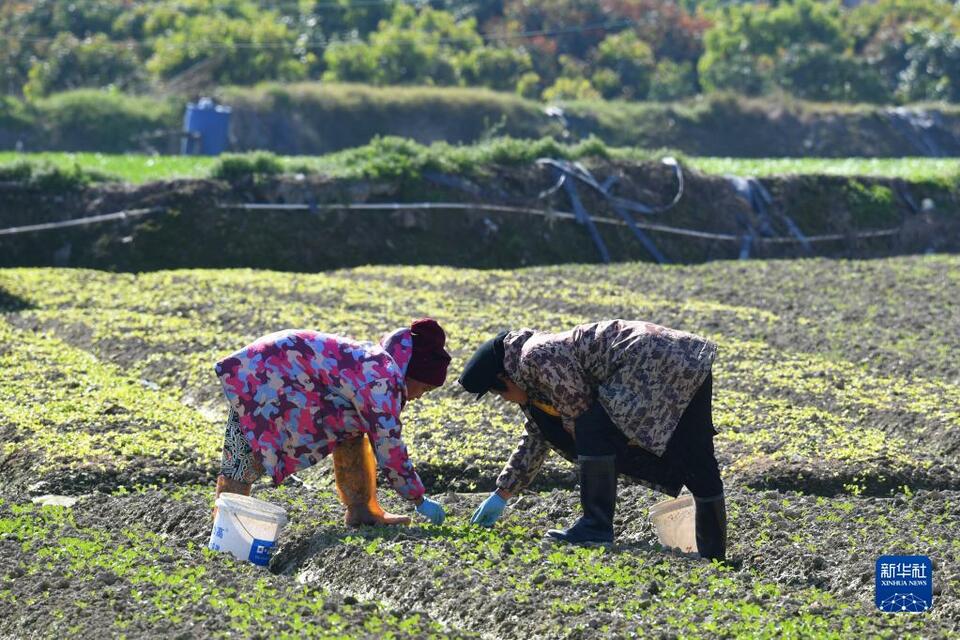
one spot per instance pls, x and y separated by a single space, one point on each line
904 584
260 551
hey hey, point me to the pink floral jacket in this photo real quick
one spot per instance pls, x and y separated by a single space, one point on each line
298 393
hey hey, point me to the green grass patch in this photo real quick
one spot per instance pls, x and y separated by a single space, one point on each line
73 411
912 169
393 157
42 174
132 168
169 580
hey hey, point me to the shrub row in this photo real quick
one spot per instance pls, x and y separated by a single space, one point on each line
319 118
46 176
88 119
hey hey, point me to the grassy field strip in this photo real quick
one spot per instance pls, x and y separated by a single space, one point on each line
620 578
133 168
138 169
71 409
175 332
176 586
781 420
755 365
845 385
503 574
855 313
760 435
752 363
174 324
784 408
913 169
498 573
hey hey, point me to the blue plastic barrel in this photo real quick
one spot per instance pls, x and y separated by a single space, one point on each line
205 127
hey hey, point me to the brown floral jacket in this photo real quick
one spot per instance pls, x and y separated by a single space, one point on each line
643 374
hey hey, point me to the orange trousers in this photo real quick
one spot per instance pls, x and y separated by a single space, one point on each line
355 472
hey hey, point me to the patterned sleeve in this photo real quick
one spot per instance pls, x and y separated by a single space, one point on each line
524 465
378 405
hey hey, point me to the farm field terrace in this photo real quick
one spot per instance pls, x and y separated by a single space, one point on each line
138 169
836 398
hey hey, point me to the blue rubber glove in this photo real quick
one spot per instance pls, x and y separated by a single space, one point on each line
431 510
489 512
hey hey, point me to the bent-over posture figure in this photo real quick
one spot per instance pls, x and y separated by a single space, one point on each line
296 396
615 396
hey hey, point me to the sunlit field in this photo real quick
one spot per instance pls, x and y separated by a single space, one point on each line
836 398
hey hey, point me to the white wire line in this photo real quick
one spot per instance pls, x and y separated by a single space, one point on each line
77 222
461 206
565 215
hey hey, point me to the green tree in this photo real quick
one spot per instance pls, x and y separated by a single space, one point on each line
670 30
673 81
815 72
576 28
413 47
745 47
360 17
529 85
349 61
933 66
30 29
885 30
571 89
624 66
94 62
80 17
495 67
870 23
240 50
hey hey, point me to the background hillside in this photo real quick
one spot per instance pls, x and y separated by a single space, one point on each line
885 51
786 78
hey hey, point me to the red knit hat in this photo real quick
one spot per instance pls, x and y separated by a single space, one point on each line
429 361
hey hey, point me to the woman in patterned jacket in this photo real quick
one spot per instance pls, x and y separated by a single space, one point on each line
615 397
295 396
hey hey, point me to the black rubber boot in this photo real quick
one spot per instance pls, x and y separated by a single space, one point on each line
711 521
598 496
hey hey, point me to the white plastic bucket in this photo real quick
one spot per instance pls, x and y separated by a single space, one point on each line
675 523
246 527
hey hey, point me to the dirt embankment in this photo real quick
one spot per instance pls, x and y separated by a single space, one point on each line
317 118
195 230
731 126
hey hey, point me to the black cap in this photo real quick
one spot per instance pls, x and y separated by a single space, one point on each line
486 363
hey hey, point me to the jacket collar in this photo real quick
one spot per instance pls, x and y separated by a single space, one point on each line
512 348
513 344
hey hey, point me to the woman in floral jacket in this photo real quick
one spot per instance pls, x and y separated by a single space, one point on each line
295 396
615 397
